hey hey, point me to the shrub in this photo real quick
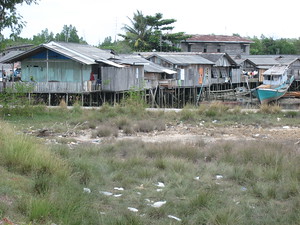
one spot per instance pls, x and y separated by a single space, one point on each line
270 109
105 131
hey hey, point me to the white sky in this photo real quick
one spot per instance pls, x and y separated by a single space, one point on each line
96 19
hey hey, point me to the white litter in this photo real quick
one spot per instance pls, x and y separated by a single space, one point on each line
160 184
117 195
196 178
174 217
106 193
278 119
158 204
87 190
133 209
286 127
159 190
119 188
218 177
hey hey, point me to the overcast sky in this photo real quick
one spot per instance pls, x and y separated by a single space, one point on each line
96 19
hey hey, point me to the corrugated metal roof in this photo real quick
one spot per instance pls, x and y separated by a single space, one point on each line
264 61
218 38
9 55
85 54
177 59
276 70
81 53
149 66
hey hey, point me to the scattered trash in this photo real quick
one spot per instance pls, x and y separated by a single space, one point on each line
159 190
174 217
158 204
218 177
255 135
148 200
117 195
139 193
102 213
87 190
243 189
160 184
214 121
133 209
196 178
278 119
286 127
106 193
119 188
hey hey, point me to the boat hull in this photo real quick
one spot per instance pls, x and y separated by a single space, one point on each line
268 95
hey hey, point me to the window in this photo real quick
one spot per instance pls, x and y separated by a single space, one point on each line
218 50
243 48
204 50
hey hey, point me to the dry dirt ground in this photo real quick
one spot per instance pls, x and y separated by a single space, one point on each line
189 134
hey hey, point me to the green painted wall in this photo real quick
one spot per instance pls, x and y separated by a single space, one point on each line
58 70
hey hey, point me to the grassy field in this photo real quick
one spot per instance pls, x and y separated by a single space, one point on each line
133 182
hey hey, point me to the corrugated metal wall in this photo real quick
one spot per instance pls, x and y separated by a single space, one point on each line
122 79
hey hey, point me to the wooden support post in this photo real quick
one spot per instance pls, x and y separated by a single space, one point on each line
82 99
49 99
67 99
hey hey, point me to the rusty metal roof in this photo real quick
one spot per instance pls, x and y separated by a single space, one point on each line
218 38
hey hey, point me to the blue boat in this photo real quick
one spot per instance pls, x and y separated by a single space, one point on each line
275 84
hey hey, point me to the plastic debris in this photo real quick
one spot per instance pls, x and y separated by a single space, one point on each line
119 188
160 184
117 195
174 217
158 204
214 121
87 190
196 178
243 189
133 209
106 193
159 190
286 127
139 193
218 177
278 119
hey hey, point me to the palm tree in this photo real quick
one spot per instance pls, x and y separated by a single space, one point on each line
138 33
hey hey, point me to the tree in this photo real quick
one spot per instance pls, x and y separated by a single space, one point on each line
9 18
148 33
44 37
69 34
120 47
138 33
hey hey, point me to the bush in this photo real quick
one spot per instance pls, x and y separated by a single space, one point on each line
270 109
105 131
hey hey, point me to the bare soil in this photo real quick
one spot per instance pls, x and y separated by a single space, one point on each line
195 133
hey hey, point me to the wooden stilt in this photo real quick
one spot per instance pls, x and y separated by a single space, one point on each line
49 99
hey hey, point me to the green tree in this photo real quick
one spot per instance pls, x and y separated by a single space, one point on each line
138 33
9 18
120 47
44 37
148 33
69 34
